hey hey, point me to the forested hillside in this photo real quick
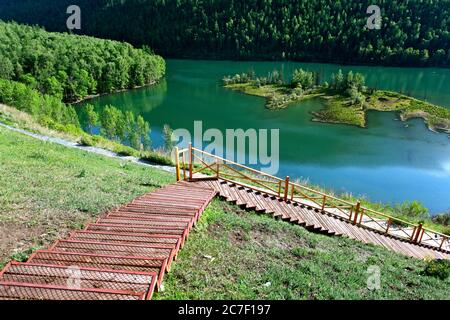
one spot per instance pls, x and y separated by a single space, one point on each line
40 72
414 32
71 67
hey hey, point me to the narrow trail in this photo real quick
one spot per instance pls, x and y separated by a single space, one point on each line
99 151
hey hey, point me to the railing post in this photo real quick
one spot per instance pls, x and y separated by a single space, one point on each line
324 202
218 169
389 223
191 158
361 216
286 189
418 233
413 234
177 164
442 242
358 207
184 167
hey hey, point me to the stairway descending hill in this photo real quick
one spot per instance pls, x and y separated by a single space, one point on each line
123 256
316 220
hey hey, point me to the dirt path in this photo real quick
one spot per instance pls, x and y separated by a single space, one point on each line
95 150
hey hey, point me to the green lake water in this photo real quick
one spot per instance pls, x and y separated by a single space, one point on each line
390 161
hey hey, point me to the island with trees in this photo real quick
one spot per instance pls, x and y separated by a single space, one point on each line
347 99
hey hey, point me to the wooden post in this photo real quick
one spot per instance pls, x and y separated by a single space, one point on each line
442 243
184 167
324 202
218 169
286 189
418 232
361 215
413 234
191 158
177 164
389 223
358 207
421 236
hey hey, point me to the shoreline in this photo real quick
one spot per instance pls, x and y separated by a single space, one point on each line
339 110
93 96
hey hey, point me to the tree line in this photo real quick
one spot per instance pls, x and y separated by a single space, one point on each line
72 67
413 32
40 72
116 125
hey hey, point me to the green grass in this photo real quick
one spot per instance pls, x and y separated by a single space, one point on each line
233 254
51 190
16 118
48 189
339 110
277 96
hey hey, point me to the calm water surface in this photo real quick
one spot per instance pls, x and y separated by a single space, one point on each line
390 161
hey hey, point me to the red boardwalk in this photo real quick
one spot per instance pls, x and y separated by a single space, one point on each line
123 256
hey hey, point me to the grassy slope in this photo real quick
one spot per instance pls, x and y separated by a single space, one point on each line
47 189
51 189
249 251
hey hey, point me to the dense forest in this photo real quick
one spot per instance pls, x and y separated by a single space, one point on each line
413 32
41 71
72 67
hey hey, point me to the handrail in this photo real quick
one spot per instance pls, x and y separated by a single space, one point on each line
295 192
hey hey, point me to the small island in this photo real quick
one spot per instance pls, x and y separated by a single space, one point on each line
347 97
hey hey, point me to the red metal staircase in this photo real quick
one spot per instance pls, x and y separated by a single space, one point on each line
123 256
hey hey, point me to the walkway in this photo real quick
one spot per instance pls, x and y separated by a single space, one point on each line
317 220
123 256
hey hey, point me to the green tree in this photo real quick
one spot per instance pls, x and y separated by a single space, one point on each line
133 136
168 143
144 131
91 117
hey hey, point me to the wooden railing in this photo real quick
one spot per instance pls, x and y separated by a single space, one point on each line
194 164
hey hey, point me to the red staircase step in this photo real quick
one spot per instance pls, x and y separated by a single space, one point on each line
124 238
139 284
32 291
117 249
109 262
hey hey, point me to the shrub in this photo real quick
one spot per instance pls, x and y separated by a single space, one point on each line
86 140
443 219
438 269
156 157
125 151
412 209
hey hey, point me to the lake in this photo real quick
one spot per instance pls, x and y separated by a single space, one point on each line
390 161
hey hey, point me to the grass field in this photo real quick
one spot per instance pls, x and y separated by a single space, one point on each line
47 190
233 254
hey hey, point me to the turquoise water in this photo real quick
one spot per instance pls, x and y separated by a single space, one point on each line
390 161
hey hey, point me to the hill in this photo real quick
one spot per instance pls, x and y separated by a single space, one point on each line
230 254
71 67
413 33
